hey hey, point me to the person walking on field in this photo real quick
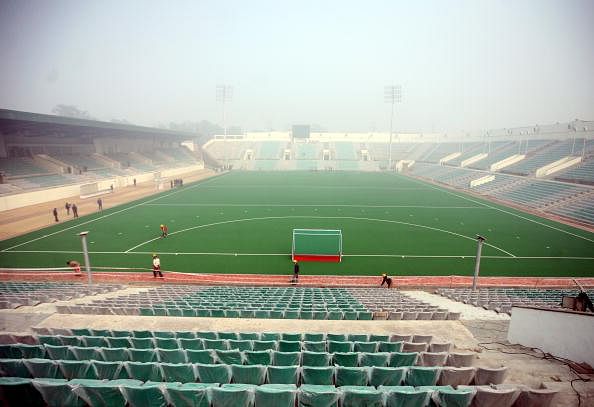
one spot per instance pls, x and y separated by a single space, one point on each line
100 204
164 230
55 213
67 206
157 266
74 210
295 271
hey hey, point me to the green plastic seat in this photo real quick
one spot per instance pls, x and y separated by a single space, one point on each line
206 335
379 338
342 347
276 395
249 336
57 393
178 372
190 395
142 343
68 340
289 346
49 340
145 395
121 333
315 358
264 345
348 359
399 359
200 356
203 313
387 376
31 351
142 334
14 368
101 332
374 359
365 315
213 373
336 337
356 396
101 393
258 357
422 376
312 395
188 312
276 314
229 357
291 336
232 313
351 376
217 313
350 315
405 396
74 369
110 370
335 315
314 346
233 395
386 346
115 354
81 332
317 375
270 336
118 342
143 371
94 341
142 355
193 344
166 343
172 355
227 335
240 344
158 312
283 374
217 344
11 351
146 312
292 314
43 368
252 374
185 335
286 358
455 398
314 337
368 347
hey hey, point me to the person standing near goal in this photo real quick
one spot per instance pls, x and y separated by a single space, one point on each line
295 272
157 266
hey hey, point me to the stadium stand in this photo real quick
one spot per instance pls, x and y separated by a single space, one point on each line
503 299
581 209
184 367
20 167
14 294
582 173
541 153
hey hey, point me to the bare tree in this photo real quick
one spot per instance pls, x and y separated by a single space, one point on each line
71 111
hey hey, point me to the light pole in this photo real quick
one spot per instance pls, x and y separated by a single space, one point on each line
224 95
392 95
477 265
83 238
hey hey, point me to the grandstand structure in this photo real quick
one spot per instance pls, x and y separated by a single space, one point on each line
549 169
45 157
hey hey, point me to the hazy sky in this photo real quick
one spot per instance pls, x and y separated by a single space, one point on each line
463 65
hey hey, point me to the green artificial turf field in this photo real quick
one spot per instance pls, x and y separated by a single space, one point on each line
242 222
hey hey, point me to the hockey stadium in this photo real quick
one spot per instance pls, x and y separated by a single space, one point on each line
431 249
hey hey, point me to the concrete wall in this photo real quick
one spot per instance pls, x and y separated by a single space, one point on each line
569 335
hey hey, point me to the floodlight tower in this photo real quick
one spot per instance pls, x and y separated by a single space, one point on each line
392 95
224 95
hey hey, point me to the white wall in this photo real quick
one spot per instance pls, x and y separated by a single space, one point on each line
569 335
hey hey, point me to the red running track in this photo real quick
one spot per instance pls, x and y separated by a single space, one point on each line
284 280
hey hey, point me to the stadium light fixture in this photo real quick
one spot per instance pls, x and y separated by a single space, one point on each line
392 95
83 238
224 95
480 240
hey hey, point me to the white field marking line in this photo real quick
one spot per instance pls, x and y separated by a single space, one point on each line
288 254
318 217
314 205
293 186
108 215
504 211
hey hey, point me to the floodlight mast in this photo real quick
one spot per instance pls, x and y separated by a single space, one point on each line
392 95
224 95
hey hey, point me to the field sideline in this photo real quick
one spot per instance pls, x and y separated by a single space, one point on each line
241 222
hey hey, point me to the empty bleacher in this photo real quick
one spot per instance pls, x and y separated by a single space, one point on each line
20 167
503 299
543 153
581 209
160 368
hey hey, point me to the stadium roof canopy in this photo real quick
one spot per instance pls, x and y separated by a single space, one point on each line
36 124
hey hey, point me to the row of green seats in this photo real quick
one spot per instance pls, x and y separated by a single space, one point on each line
243 313
265 357
134 393
222 344
220 373
264 336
